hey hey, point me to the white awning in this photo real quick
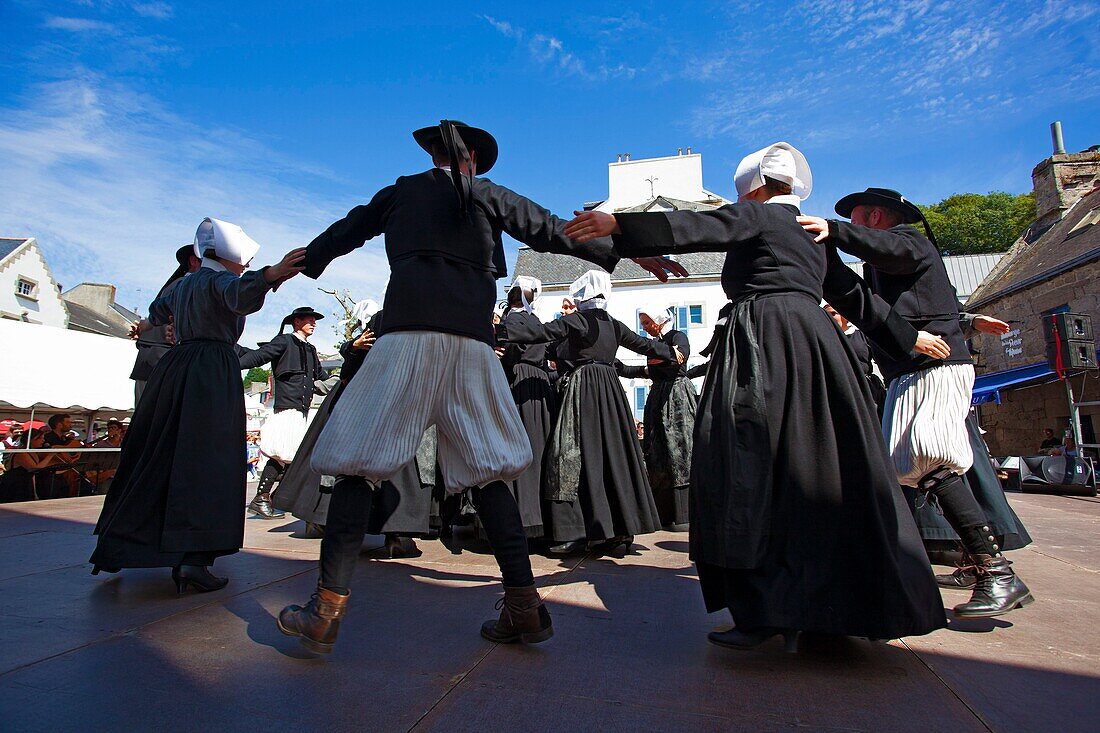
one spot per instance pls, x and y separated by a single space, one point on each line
49 367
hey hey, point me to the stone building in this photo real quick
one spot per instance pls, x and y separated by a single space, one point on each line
1054 267
92 308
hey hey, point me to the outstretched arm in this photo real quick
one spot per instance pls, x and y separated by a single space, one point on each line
265 354
898 251
532 331
646 347
648 234
361 223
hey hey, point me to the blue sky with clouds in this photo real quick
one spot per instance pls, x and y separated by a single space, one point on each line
122 124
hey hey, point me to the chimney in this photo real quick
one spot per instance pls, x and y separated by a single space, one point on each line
620 160
689 150
679 151
626 157
1063 179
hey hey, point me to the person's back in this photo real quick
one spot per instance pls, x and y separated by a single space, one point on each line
204 306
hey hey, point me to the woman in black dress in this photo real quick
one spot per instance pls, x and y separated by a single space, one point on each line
17 483
535 396
596 484
797 519
170 506
669 419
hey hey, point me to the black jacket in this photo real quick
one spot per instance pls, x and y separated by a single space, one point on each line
906 270
295 368
152 344
666 371
443 268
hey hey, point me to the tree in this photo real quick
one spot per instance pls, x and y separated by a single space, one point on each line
256 374
970 223
345 324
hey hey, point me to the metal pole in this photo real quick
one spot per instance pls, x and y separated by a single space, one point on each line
1074 416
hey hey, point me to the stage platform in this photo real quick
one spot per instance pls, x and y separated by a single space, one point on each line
124 653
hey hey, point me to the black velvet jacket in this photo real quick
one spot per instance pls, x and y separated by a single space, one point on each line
295 368
906 270
443 268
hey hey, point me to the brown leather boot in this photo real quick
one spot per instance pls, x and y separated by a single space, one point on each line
523 617
316 624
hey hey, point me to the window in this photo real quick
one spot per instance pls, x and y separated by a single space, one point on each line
25 288
638 324
640 394
689 316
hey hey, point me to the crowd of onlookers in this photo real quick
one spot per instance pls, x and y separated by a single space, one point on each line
27 474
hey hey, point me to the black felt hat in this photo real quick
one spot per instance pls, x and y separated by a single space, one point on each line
885 197
474 138
302 312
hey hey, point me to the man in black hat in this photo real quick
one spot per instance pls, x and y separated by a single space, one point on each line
297 376
928 400
154 343
433 364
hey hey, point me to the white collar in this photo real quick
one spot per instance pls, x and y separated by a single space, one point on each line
788 198
299 336
850 330
214 265
667 326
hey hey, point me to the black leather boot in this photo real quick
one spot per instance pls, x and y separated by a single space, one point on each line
198 577
963 578
261 507
318 622
744 640
997 591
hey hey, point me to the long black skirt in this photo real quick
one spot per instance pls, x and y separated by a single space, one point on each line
179 492
669 422
406 504
797 518
613 495
536 399
983 482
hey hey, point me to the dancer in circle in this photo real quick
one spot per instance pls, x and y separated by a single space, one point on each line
165 508
535 397
797 520
928 400
434 364
669 418
596 484
296 376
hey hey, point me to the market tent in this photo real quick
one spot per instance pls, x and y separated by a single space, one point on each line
50 367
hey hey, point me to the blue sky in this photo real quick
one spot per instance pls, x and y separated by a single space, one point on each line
122 124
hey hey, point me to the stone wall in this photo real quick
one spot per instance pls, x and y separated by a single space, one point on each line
1060 180
1025 344
1015 427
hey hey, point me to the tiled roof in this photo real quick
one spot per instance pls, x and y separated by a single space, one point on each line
86 319
9 245
1073 241
966 272
555 269
664 203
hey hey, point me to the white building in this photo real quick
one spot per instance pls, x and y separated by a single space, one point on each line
671 184
653 184
28 291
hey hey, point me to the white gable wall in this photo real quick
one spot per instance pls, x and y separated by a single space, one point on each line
45 306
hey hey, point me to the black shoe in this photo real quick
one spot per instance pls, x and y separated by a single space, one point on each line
998 590
568 548
197 576
962 578
744 640
261 507
677 527
616 547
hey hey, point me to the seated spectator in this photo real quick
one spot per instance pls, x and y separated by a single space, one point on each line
18 483
66 481
1050 442
102 466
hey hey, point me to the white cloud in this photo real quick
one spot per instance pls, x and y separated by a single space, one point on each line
111 184
158 10
79 25
550 51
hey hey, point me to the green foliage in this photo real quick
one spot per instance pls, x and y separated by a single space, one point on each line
970 223
256 374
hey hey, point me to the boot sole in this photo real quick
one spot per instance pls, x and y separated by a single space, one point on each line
536 637
1019 604
313 646
255 513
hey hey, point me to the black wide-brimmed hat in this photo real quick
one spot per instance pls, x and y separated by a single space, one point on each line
474 138
302 312
885 197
